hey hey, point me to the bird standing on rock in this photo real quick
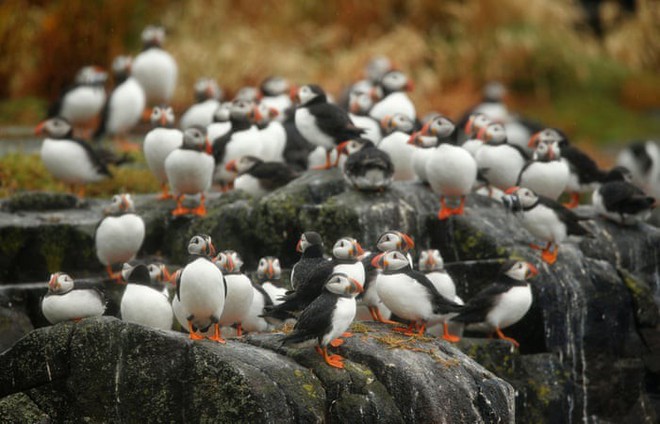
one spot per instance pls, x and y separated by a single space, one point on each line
257 177
207 97
239 291
144 302
269 274
398 129
546 174
367 167
618 200
65 302
154 68
321 123
328 316
502 303
120 234
162 140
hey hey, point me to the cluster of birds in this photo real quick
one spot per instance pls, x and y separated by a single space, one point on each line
211 293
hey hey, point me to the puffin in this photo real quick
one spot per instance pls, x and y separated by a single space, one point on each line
60 150
154 68
451 170
123 109
642 159
373 73
247 93
502 303
275 94
310 247
367 168
409 294
200 290
144 302
221 124
327 317
257 177
272 132
65 302
424 145
619 200
189 170
359 105
269 274
546 174
120 234
158 273
83 101
239 291
475 123
499 162
432 265
243 139
391 92
585 175
388 241
207 99
398 129
544 218
322 123
162 140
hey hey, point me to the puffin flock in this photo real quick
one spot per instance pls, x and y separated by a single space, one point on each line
266 137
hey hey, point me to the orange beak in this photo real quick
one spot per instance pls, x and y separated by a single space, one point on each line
413 138
533 272
209 91
231 166
551 154
377 262
211 251
52 283
163 120
258 117
425 128
410 244
482 135
166 273
299 246
230 264
124 203
511 190
358 285
175 277
39 129
534 140
360 250
410 86
209 147
271 271
293 94
272 112
468 125
373 93
385 122
430 261
354 108
341 148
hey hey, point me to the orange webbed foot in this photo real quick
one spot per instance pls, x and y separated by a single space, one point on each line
199 210
550 257
347 334
336 342
180 211
509 339
448 336
444 213
574 202
195 336
379 318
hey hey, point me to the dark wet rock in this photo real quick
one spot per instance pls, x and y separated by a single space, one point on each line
42 201
14 320
104 370
19 408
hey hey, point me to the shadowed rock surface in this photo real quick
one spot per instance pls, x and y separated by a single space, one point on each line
590 345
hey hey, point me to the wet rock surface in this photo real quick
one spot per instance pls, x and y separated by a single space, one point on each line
589 345
102 369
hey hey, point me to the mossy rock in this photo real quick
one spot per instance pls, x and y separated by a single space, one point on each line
42 201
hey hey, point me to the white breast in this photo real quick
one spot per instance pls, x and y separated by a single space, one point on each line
119 238
249 184
543 223
420 157
273 139
242 143
69 162
156 71
342 317
73 305
216 130
404 297
547 179
274 292
451 170
500 165
354 270
202 292
398 102
396 145
82 104
443 283
188 171
199 114
281 103
306 125
239 298
125 107
370 125
473 145
158 144
252 321
146 306
511 307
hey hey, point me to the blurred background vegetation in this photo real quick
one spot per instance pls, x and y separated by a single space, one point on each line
590 67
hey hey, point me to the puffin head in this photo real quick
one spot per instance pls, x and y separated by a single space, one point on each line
395 80
269 268
136 273
195 138
57 128
547 135
430 260
360 103
153 36
307 239
519 198
222 113
225 261
274 85
242 164
202 245
121 67
377 67
343 285
247 94
347 248
158 272
519 270
207 89
395 240
493 133
60 283
162 116
440 127
392 260
309 92
120 204
397 122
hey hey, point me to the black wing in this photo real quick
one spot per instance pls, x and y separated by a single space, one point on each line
314 321
273 175
220 144
479 306
441 305
368 158
567 216
105 112
582 165
94 157
268 301
623 197
335 122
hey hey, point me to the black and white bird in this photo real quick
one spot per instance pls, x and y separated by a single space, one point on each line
498 161
162 140
322 123
619 200
83 101
65 302
432 265
327 317
585 175
189 170
544 218
207 99
359 105
451 170
409 294
258 178
125 104
273 134
424 143
503 303
392 98
269 274
397 129
367 168
120 234
144 301
546 174
200 290
475 123
221 124
642 158
275 93
239 294
310 246
60 150
154 68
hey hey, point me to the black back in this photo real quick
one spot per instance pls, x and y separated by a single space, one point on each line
334 122
272 175
315 321
582 165
625 198
478 307
369 157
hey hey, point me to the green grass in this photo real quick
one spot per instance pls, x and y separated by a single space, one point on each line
22 111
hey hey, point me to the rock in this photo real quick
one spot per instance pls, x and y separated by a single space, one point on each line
14 321
43 201
102 369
